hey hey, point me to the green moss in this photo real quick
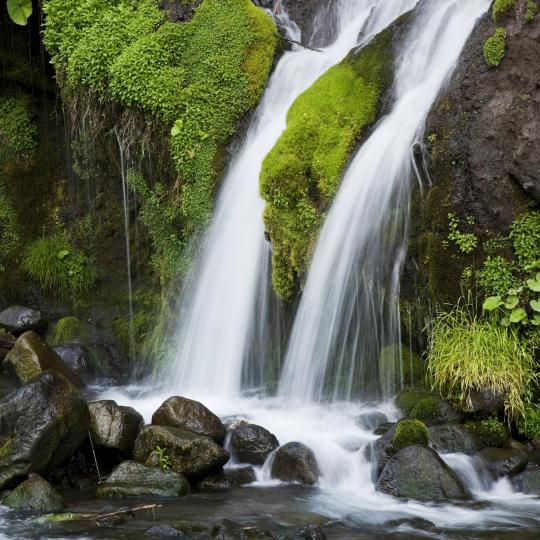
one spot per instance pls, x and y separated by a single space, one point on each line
17 132
426 409
301 174
495 47
491 432
6 445
501 8
59 267
409 432
407 400
69 330
531 11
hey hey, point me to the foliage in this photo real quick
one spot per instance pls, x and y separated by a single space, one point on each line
19 11
467 354
59 267
501 8
495 47
301 174
497 275
531 11
17 132
409 432
69 330
525 237
164 459
466 242
529 425
490 431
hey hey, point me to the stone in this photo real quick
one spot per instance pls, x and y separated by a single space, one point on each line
42 423
7 342
229 530
384 428
433 410
193 455
114 426
35 495
31 356
251 443
295 462
419 473
19 319
450 438
227 479
371 420
180 412
504 462
132 479
164 531
488 432
311 532
12 475
528 481
77 358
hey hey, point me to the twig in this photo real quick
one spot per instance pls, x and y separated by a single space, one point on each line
127 512
95 458
298 43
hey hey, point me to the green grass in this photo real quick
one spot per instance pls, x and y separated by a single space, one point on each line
467 353
495 47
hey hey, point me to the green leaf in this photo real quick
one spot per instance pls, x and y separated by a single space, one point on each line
532 266
535 304
492 303
505 321
517 315
19 11
177 128
511 302
534 284
536 319
63 254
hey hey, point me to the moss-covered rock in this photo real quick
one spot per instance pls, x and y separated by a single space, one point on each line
432 410
407 400
489 432
405 364
409 432
35 495
69 330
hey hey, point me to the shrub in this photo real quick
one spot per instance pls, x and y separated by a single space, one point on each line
59 267
496 276
529 425
409 432
494 47
501 8
525 237
466 353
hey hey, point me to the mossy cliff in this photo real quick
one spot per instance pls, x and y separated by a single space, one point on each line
301 175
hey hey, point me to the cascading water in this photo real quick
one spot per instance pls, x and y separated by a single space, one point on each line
350 306
216 320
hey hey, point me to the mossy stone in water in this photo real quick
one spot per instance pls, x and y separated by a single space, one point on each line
490 432
35 495
409 432
433 410
407 400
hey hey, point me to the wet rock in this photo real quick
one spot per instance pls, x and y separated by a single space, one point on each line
512 444
35 495
384 428
295 462
228 478
407 400
229 530
190 415
528 481
251 443
189 454
433 410
31 356
42 423
419 473
447 438
311 532
504 462
415 523
164 531
371 420
114 426
12 475
132 479
7 341
77 358
19 319
489 432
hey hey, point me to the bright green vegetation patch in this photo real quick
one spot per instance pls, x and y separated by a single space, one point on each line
407 400
198 78
497 275
59 267
491 431
69 330
301 174
525 237
495 47
501 8
409 432
529 425
17 132
531 11
469 354
426 409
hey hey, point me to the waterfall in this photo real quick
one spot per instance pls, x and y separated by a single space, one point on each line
349 308
217 324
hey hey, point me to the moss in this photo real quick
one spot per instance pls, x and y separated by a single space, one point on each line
407 400
17 132
531 11
495 47
59 267
490 432
6 445
502 8
69 330
426 409
529 425
408 433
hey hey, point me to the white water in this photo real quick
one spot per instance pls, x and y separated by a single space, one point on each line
349 308
217 319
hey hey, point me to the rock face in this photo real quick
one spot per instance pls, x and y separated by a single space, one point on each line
114 426
19 319
251 443
419 473
7 341
448 438
190 415
42 423
504 462
228 478
528 481
31 356
132 479
35 495
296 462
189 454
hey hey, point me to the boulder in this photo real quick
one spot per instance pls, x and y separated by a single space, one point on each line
189 454
504 462
251 443
132 479
433 410
485 403
384 428
419 473
229 530
228 478
311 532
488 432
528 481
406 400
77 358
114 426
12 475
190 415
371 420
7 342
31 356
164 531
42 423
448 438
35 495
19 319
295 462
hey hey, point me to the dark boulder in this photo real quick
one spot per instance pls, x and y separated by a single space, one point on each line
19 319
190 415
77 358
295 462
229 530
448 438
164 531
251 443
114 426
528 481
132 479
7 342
12 475
419 473
371 420
31 356
42 423
504 462
311 532
433 410
488 432
228 478
35 495
189 454
384 428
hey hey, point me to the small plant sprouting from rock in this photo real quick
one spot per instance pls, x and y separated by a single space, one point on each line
164 459
466 242
531 11
495 47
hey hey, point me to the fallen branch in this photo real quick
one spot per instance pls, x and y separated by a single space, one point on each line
298 43
102 519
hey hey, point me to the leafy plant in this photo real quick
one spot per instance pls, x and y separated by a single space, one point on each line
495 47
466 242
19 11
467 353
529 425
525 237
164 459
497 275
